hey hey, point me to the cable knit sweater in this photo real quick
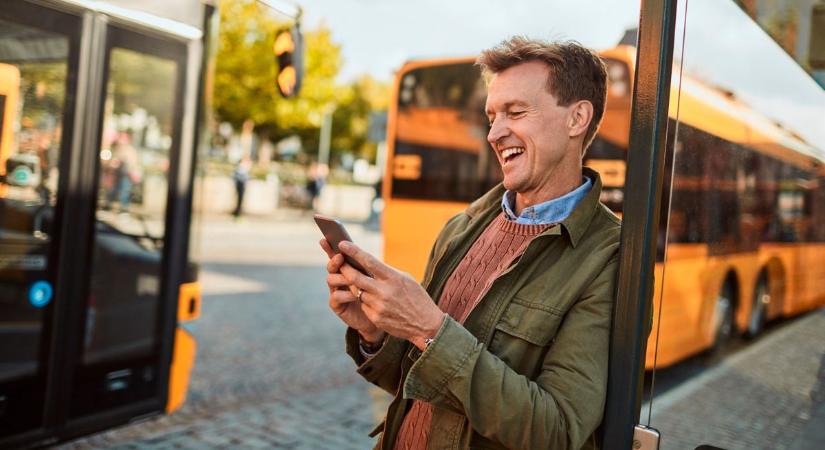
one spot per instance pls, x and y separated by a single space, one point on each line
498 246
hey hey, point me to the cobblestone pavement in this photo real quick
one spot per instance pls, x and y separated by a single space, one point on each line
771 395
270 370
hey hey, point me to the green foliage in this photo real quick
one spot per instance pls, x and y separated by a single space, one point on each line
245 73
245 87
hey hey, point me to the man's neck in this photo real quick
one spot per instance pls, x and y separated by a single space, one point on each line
558 189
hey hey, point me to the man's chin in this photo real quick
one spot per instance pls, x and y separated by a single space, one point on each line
510 184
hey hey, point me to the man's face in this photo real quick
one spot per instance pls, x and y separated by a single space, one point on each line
529 131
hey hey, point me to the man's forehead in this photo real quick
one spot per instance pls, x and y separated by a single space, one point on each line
518 84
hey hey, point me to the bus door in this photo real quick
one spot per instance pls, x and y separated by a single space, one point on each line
127 299
93 217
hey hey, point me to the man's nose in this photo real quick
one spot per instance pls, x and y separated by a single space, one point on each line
497 131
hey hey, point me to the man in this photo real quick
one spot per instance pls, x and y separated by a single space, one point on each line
506 343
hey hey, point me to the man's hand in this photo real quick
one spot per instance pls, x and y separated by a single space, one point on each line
343 299
392 300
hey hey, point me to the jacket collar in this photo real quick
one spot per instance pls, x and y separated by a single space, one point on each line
575 224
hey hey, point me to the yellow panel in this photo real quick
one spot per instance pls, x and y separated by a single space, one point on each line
183 359
189 301
9 87
611 171
410 229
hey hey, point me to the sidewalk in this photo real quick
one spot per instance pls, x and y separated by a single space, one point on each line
768 396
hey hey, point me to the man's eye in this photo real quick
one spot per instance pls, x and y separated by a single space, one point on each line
517 113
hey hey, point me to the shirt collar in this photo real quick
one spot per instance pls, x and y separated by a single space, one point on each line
551 211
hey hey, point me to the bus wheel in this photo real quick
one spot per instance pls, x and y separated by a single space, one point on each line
759 308
723 318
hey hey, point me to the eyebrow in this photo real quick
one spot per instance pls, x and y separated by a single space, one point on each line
509 105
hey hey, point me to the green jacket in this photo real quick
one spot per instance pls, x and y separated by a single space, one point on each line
528 368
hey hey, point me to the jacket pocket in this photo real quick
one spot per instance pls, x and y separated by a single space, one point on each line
532 322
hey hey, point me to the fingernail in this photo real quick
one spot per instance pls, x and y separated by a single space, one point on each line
344 245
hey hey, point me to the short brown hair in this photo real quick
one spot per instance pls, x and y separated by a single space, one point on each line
576 73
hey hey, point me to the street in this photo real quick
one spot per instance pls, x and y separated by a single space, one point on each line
271 371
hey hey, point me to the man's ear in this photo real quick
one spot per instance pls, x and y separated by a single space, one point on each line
581 113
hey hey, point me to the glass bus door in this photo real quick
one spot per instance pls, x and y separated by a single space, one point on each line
129 298
38 66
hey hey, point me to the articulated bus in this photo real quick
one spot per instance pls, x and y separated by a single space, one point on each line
747 213
98 130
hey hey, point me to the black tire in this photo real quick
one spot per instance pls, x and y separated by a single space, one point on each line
759 307
723 317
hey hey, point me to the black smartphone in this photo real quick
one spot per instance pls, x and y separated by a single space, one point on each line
335 232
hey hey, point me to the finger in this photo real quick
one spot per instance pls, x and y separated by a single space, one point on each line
369 262
327 248
370 312
339 299
337 281
335 262
357 278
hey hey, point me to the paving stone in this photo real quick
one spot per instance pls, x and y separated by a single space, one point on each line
271 370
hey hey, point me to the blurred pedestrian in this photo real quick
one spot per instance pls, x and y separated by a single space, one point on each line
126 170
315 183
240 176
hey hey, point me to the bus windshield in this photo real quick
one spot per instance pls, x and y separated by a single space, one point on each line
441 149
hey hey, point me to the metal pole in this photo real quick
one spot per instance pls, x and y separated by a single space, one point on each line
326 134
648 134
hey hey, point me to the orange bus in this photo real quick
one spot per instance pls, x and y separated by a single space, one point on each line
747 213
97 287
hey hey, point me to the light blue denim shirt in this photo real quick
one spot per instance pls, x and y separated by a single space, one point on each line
551 211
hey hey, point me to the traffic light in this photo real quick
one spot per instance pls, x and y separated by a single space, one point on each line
289 50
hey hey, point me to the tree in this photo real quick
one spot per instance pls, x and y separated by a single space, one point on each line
245 71
351 119
245 86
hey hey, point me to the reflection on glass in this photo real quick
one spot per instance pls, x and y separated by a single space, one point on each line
121 319
32 93
745 240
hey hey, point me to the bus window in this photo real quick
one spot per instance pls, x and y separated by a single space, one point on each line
126 277
33 83
441 147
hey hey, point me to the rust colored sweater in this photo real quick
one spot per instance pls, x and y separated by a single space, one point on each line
497 247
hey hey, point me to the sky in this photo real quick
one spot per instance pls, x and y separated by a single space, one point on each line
377 36
721 44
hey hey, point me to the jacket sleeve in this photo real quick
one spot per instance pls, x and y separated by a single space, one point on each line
384 368
559 410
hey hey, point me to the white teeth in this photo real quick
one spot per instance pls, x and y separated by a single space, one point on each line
511 152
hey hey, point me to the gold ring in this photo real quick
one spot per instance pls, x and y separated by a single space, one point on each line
360 291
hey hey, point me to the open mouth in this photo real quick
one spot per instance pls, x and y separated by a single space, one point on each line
511 153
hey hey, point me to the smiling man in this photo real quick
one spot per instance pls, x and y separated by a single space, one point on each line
505 343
